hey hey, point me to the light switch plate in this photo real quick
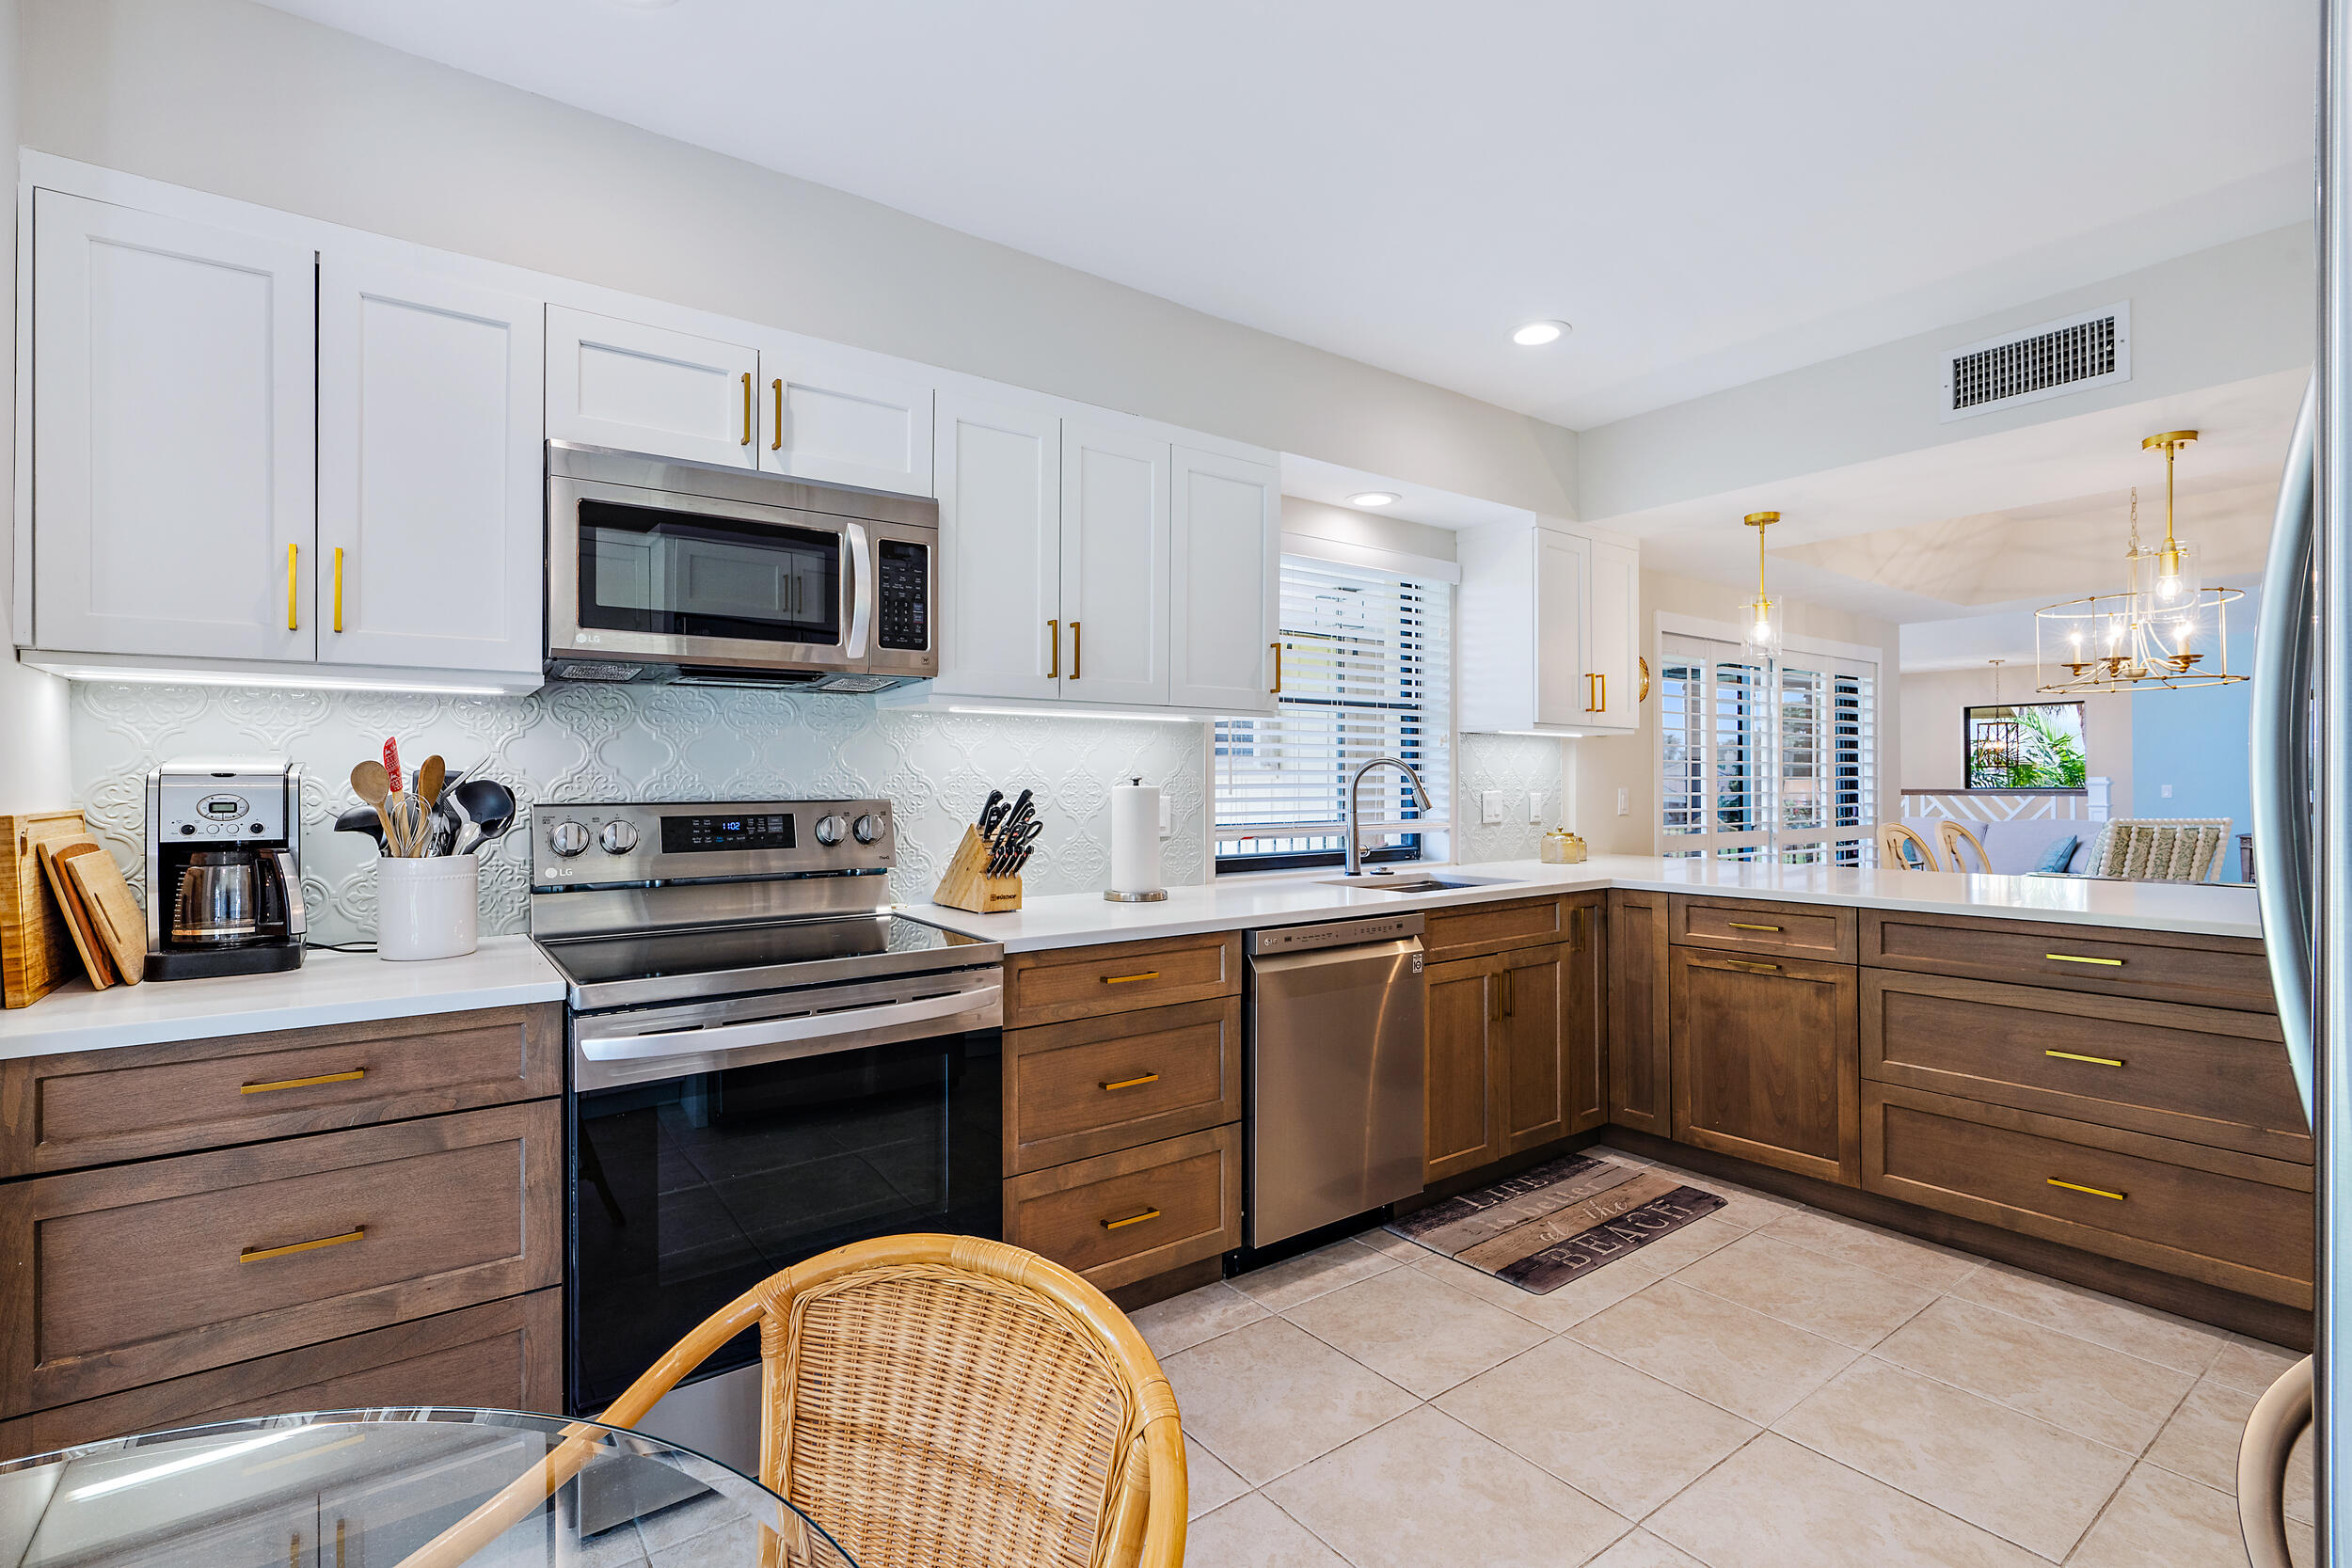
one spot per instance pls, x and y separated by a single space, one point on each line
1534 806
2165 790
1167 815
1625 802
1489 807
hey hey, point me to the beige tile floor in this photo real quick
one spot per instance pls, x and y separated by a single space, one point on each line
1770 1387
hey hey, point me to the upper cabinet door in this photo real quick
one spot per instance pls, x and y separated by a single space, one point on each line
430 508
1000 550
1611 635
173 504
1225 582
1563 577
1114 565
642 389
824 418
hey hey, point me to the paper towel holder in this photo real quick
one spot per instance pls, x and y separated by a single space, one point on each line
1152 896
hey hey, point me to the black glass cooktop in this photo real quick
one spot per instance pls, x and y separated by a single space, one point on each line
669 954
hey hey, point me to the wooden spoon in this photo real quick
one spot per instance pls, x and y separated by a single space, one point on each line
371 785
429 780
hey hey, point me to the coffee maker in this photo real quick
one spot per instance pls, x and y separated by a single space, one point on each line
224 869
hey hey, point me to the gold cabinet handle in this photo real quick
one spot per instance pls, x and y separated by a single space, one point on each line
1603 707
1132 1219
2095 1061
338 587
1130 979
747 408
1276 646
777 387
294 620
1131 1082
1752 968
275 1084
1077 653
1510 992
1053 641
2071 959
1749 926
256 1254
1589 694
2077 1187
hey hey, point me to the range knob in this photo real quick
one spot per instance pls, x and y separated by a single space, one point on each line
868 827
830 829
567 838
618 838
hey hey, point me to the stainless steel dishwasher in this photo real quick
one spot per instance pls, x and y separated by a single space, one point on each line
1334 1117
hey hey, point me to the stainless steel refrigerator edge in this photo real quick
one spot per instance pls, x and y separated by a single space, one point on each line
1334 1111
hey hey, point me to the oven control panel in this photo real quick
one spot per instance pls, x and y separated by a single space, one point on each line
632 843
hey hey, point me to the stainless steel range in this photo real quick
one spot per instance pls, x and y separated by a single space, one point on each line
765 1062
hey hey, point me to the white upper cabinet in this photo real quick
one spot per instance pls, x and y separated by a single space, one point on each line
173 436
430 529
1225 580
1550 631
618 383
1114 565
1000 550
828 418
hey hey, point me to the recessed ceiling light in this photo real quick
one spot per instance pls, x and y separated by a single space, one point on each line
1536 334
1373 498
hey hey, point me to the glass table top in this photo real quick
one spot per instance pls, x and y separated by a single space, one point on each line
396 1488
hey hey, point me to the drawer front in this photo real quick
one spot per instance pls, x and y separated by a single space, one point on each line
1491 927
1126 1216
1799 930
1116 978
505 1355
2203 1074
2232 1220
1097 1085
143 1272
2213 972
101 1107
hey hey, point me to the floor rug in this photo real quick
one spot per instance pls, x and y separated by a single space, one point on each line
1560 1221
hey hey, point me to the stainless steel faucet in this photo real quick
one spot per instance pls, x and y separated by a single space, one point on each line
1356 805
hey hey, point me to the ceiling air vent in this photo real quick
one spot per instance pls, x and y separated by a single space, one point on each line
2051 360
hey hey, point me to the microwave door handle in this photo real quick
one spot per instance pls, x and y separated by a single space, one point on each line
780 1031
290 877
856 563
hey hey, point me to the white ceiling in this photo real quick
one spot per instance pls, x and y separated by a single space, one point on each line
1711 191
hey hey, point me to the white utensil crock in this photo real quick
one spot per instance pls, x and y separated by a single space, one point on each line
426 908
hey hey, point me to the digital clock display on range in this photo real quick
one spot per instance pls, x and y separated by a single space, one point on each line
691 835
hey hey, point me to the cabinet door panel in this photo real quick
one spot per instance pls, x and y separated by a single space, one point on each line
1224 582
1461 1105
1764 1061
173 457
1000 548
837 423
1611 635
430 422
1639 1067
1114 565
1532 1074
645 388
1563 578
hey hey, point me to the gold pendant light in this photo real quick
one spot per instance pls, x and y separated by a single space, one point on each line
2162 630
1763 640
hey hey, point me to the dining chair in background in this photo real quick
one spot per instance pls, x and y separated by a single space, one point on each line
1900 848
1953 833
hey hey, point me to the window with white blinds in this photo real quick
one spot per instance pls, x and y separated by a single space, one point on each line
1766 763
1366 673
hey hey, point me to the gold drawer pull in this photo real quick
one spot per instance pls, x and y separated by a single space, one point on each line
1743 925
256 1254
2073 1187
1131 1082
352 1077
1132 1219
1130 979
2095 1061
1752 969
2071 959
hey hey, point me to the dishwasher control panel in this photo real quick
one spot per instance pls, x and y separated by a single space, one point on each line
1336 933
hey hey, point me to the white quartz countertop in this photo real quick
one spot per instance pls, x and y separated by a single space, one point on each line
1286 898
329 987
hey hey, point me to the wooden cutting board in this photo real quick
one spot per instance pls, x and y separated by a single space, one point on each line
120 923
36 944
86 942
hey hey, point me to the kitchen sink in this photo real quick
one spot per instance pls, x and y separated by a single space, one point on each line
1383 881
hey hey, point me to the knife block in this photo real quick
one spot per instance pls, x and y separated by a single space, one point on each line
967 884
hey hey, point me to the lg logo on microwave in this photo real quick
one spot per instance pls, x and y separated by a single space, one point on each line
586 637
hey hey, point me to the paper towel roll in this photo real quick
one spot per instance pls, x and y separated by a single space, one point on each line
1136 843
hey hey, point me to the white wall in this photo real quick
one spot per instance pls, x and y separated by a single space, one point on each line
1346 525
230 97
1933 701
33 772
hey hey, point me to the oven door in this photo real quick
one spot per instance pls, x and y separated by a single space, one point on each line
703 580
701 1171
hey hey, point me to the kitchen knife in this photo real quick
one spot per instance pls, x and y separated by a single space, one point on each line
1010 844
1015 817
986 806
1018 861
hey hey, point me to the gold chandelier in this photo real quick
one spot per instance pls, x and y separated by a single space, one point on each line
2162 630
1763 639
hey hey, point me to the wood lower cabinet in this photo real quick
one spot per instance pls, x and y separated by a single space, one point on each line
1639 1056
1460 1085
1118 1218
1764 1061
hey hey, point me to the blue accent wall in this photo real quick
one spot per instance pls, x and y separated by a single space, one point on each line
2196 740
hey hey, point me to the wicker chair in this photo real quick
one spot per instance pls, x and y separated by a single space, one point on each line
1894 839
933 1400
1953 834
2160 849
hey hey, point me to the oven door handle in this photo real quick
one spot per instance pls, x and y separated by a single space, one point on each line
782 1031
860 561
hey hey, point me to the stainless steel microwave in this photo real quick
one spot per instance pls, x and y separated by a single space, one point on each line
659 570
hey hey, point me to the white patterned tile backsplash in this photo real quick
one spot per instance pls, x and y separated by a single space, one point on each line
1517 766
592 742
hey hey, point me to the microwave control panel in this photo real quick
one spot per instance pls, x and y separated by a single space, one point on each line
903 612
